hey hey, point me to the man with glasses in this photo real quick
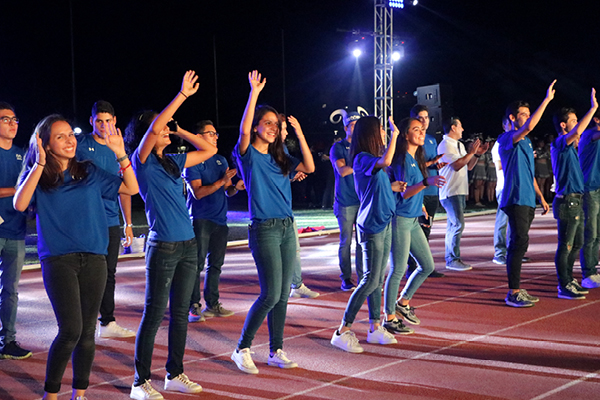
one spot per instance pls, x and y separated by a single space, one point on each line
12 235
208 183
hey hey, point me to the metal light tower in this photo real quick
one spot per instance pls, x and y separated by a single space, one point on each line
383 34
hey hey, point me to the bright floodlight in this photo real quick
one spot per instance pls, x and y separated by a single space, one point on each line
415 2
77 130
396 56
356 52
396 3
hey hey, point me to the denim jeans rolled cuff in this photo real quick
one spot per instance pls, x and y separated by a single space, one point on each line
568 211
273 247
591 241
107 307
455 206
519 222
297 274
12 257
346 217
171 270
501 232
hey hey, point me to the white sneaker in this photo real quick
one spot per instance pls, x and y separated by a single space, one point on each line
346 341
243 360
182 384
303 291
381 336
279 359
591 282
145 392
112 330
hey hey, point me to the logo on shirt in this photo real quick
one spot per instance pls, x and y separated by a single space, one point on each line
91 149
219 162
19 157
413 165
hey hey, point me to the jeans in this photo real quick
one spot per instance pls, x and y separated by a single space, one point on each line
297 272
455 206
74 283
376 250
107 307
171 270
346 217
212 241
591 240
273 246
12 257
501 230
407 237
568 212
431 205
519 222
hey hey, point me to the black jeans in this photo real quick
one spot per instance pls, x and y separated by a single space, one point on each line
568 211
519 222
107 307
74 283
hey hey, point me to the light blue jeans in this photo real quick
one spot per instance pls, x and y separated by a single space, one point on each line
407 237
12 257
346 217
297 273
376 250
501 230
455 207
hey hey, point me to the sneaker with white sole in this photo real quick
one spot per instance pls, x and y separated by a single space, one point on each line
529 297
182 384
517 300
303 291
569 292
145 391
217 311
397 327
279 359
381 336
112 330
578 288
346 341
408 313
591 282
195 314
243 360
458 265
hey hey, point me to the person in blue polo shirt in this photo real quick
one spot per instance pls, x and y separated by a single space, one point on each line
567 205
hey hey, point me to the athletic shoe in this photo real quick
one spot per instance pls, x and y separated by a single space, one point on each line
529 297
145 392
381 336
500 260
397 327
578 287
112 330
591 282
458 265
303 291
12 351
348 285
279 359
526 259
346 341
243 360
569 292
435 274
517 300
408 313
195 314
182 384
216 311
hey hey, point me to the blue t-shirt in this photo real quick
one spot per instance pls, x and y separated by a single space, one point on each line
377 202
214 206
430 150
11 162
589 160
103 157
162 192
67 217
345 194
411 174
565 166
269 191
518 165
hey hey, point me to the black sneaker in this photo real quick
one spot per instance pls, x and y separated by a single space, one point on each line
348 285
397 327
436 274
578 288
12 351
569 292
408 313
517 300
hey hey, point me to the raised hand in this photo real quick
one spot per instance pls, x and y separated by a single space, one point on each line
40 156
550 92
256 85
296 125
393 126
475 146
114 139
594 101
189 86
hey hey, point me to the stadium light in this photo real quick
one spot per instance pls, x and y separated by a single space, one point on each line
396 3
357 53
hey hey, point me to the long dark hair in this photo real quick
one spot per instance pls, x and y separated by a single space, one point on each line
367 137
276 148
402 148
52 175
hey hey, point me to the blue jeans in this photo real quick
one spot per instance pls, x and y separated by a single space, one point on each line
407 237
346 217
455 207
212 241
591 240
297 273
501 230
75 284
12 257
568 212
273 246
376 250
171 270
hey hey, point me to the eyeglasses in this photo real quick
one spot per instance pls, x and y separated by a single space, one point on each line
8 120
211 134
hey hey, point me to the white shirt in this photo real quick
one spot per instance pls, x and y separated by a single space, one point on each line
499 172
457 182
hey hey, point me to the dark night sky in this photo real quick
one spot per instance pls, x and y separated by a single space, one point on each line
134 54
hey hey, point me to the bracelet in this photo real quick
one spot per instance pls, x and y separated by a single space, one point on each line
122 158
128 226
41 165
184 95
122 169
425 182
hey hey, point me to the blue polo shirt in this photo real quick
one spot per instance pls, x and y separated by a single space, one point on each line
565 166
589 160
411 174
518 165
345 194
377 202
11 162
214 206
162 192
103 157
430 150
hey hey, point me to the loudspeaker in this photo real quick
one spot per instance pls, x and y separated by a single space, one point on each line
435 95
435 121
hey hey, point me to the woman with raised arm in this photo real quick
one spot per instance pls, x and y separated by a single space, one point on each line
171 251
265 168
409 166
66 195
377 206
